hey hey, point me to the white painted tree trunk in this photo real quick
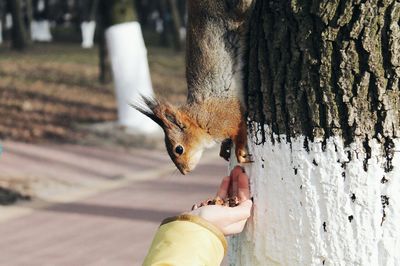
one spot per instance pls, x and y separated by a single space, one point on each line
8 21
88 29
320 207
131 74
1 33
40 31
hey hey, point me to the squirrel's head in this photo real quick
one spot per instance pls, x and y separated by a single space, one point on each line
184 139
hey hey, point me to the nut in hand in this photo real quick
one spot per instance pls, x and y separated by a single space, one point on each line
229 202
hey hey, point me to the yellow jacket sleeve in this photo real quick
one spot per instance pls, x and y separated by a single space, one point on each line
186 240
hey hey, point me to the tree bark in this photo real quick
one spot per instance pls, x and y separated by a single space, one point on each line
172 24
129 65
88 10
117 11
175 24
2 18
104 62
19 32
110 13
323 97
28 17
163 9
40 25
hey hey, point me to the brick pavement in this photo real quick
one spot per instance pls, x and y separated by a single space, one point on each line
113 203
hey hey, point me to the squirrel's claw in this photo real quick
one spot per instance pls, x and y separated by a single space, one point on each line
225 151
243 156
248 159
245 159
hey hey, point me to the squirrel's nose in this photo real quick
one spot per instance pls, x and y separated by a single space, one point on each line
184 170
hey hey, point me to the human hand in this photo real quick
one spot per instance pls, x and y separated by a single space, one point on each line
230 220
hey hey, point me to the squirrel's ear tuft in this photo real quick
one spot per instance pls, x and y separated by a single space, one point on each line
163 113
148 107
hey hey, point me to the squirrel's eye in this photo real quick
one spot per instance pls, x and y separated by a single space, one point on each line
179 149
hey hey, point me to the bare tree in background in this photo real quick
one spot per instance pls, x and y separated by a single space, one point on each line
172 23
2 18
20 30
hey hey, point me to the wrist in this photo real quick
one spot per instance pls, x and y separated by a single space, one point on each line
194 218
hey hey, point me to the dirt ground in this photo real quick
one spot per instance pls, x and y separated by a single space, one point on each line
51 92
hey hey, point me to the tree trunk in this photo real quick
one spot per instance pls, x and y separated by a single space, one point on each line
323 96
40 26
117 11
2 18
87 17
104 62
128 57
175 24
19 32
28 17
182 11
163 10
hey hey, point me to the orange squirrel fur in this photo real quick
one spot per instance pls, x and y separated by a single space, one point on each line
214 111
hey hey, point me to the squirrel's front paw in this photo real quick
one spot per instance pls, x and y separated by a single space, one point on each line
243 156
225 151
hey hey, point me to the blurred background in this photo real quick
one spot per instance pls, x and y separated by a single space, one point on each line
84 179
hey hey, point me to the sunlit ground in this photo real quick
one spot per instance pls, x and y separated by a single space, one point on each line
49 89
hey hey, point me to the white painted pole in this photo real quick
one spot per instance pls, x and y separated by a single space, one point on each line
88 29
131 74
321 207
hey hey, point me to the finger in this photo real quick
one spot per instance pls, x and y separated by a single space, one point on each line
224 187
234 183
206 202
240 212
243 187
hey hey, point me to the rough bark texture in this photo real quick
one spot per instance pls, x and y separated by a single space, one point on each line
323 97
324 68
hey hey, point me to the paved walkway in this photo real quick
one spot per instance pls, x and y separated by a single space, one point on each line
93 206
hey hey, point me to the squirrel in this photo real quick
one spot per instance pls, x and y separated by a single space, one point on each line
215 109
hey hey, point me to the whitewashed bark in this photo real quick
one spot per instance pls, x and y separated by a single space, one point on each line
40 31
88 29
131 74
8 21
319 207
182 33
1 33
